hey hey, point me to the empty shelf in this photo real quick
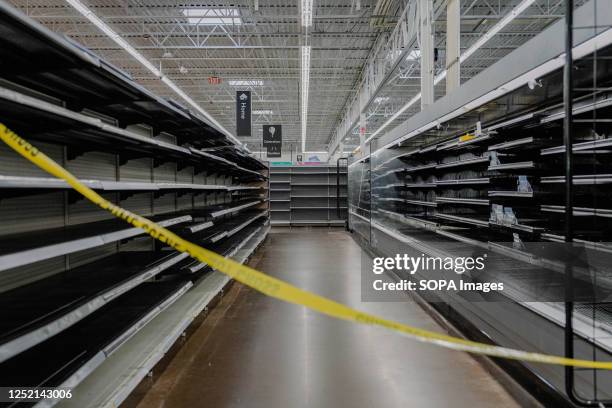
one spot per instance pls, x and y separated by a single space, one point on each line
464 220
515 194
239 188
518 227
407 185
316 196
199 226
219 213
513 166
188 186
465 162
407 219
421 168
19 182
458 200
113 381
582 179
389 172
237 228
316 208
459 143
421 203
579 211
315 222
230 165
577 147
75 353
228 248
466 181
41 309
225 247
314 184
24 112
512 144
26 248
400 200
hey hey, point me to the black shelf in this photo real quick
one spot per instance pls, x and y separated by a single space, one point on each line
72 354
37 311
26 248
223 246
69 72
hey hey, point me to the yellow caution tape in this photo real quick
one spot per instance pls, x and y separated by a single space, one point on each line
466 137
275 287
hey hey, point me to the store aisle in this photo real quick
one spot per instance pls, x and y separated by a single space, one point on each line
254 351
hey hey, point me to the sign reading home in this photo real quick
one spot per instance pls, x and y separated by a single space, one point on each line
243 113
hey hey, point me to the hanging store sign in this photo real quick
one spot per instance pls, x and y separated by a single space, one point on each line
243 113
272 135
274 150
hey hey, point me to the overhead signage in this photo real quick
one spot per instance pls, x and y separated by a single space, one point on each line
243 113
274 150
272 135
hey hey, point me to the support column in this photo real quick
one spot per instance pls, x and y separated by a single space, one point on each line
453 46
362 131
427 52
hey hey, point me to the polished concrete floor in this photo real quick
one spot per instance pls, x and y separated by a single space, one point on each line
253 351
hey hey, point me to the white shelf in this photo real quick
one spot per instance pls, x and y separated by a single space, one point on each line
200 226
465 162
467 181
19 182
234 209
458 200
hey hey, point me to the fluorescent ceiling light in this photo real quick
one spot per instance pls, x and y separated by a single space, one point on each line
306 12
522 6
262 112
304 83
250 82
381 99
208 16
81 8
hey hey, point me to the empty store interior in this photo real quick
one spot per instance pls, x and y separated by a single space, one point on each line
305 203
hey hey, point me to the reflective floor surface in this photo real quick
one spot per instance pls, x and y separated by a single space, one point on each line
253 351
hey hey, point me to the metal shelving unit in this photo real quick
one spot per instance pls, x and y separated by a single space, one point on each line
78 286
501 187
311 197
